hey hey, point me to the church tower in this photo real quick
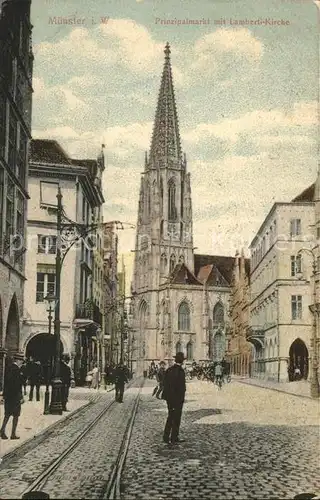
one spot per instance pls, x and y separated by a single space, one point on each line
164 235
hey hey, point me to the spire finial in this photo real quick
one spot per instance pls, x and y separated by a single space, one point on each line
167 50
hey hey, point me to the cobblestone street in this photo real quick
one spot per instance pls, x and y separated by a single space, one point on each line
241 442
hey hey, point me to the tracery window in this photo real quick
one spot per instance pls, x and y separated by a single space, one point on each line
184 317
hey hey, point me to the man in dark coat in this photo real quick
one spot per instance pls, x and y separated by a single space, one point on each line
12 395
66 376
174 389
34 375
121 378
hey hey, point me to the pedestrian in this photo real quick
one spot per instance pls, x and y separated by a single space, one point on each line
174 389
218 373
12 395
65 373
95 377
34 375
160 378
89 379
24 376
120 380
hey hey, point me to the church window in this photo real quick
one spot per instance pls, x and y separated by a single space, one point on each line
163 263
218 313
218 350
184 317
178 347
182 195
161 229
189 351
172 211
172 263
161 196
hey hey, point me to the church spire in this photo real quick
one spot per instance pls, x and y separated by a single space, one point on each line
165 143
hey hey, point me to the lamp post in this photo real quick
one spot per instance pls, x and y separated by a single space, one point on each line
51 302
68 233
315 309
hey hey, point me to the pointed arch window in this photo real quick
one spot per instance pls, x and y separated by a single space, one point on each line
161 195
172 263
189 351
184 317
218 313
178 347
172 211
161 229
163 263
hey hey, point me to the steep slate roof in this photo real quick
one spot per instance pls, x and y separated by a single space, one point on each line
223 263
182 276
306 195
48 151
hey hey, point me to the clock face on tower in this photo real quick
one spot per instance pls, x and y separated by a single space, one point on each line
173 230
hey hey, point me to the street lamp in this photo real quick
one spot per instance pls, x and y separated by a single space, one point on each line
315 309
68 233
51 299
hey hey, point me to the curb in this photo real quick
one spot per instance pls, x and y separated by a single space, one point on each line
47 430
273 389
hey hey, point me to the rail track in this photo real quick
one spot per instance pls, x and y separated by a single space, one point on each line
112 486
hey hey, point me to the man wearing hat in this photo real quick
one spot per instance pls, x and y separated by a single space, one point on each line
174 389
12 394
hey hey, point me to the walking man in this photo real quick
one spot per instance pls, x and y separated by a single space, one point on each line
174 389
65 379
160 379
120 380
35 374
12 395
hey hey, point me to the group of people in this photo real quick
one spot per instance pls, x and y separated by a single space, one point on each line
18 373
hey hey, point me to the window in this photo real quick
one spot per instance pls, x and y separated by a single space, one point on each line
189 351
295 227
296 307
47 244
295 265
163 263
22 157
10 208
20 214
184 317
172 263
172 211
46 282
12 141
178 347
2 125
218 313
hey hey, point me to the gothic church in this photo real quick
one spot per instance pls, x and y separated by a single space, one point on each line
180 299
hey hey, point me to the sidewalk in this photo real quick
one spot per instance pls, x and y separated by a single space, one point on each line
300 388
32 421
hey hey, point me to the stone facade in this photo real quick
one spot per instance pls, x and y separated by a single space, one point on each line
80 316
239 352
280 320
179 299
16 64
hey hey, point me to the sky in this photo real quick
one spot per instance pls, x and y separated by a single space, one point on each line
246 97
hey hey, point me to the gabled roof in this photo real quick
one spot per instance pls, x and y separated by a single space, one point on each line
181 275
48 151
223 263
306 195
215 278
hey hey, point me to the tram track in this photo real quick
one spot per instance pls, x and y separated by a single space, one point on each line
111 487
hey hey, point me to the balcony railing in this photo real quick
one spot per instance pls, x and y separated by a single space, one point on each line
89 310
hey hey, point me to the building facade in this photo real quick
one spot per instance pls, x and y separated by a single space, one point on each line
50 167
280 319
180 300
110 249
16 63
239 351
